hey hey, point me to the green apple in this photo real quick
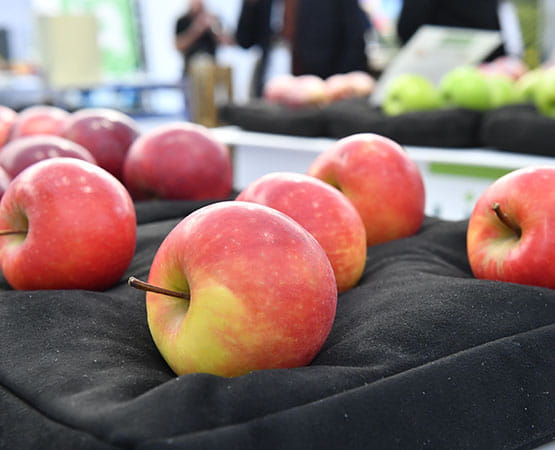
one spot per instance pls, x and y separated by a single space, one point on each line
526 85
409 92
502 90
544 94
465 87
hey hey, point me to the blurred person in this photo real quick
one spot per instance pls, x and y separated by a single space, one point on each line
324 37
198 32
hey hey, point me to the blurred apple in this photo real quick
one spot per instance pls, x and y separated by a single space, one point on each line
502 91
178 160
526 85
106 133
362 83
277 88
7 119
339 87
4 181
39 119
465 87
383 183
409 92
20 153
296 91
544 93
251 289
323 211
66 224
510 232
509 66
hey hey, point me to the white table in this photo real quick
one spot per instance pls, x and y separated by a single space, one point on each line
454 178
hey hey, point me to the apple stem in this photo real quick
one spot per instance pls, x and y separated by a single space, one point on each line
143 286
505 219
9 232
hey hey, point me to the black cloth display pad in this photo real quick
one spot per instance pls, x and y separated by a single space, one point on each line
455 127
267 117
519 129
421 355
440 128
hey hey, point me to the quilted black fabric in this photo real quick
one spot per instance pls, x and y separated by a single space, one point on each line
421 355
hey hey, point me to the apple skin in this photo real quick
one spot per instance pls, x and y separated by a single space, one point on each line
495 251
39 119
80 222
5 180
106 133
409 92
324 212
262 292
178 160
544 93
7 119
381 181
502 90
465 87
20 153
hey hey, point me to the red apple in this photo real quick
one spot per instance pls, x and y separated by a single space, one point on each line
510 231
362 83
72 226
339 87
323 211
383 183
262 292
106 133
179 160
276 89
7 119
4 181
39 119
20 153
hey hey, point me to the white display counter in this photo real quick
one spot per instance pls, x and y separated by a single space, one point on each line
454 178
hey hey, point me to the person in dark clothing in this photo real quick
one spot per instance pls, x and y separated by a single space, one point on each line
325 37
480 14
196 32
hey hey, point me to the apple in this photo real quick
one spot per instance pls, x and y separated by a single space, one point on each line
106 133
544 93
277 88
510 232
323 211
5 180
39 119
510 66
178 160
66 224
339 87
20 153
7 119
296 91
362 83
409 92
247 288
502 91
379 178
465 87
526 85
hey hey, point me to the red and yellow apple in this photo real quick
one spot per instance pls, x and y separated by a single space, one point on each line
20 153
39 119
106 133
380 179
7 119
510 236
5 180
323 211
178 160
66 224
261 290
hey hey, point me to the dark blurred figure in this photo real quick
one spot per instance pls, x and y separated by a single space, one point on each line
325 37
480 14
197 32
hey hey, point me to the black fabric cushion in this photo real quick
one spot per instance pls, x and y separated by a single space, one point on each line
519 129
448 128
266 117
421 355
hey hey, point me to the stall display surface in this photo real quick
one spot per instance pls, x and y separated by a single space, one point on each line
516 128
421 355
